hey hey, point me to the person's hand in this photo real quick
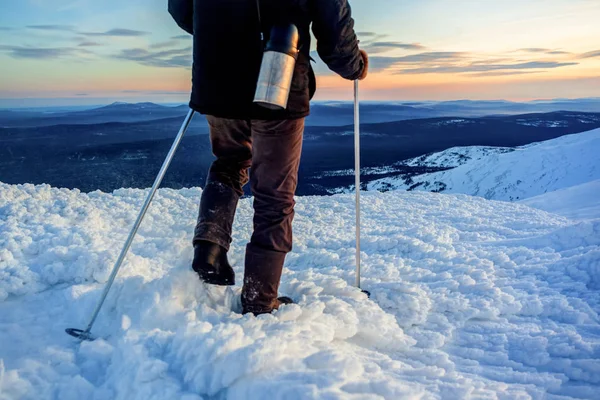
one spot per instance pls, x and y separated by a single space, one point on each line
366 63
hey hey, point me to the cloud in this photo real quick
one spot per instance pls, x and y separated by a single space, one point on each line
501 73
115 32
366 34
491 61
174 58
38 52
534 50
459 62
181 37
453 69
66 28
382 63
164 45
590 54
382 47
538 50
432 56
120 32
6 28
43 53
89 44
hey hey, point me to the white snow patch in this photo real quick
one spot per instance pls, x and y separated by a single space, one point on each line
455 156
449 158
528 171
579 202
470 299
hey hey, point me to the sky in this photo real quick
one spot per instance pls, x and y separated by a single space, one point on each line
78 52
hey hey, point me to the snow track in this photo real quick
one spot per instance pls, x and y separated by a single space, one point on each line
470 299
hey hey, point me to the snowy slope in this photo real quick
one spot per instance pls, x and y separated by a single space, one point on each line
450 158
471 299
525 172
455 156
578 202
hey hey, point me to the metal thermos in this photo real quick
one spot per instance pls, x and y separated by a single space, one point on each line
277 68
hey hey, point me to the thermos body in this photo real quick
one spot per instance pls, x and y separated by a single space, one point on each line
275 80
277 68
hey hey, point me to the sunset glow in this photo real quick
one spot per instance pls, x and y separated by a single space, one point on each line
83 51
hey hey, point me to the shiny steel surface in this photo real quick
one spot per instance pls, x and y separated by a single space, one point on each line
357 177
275 80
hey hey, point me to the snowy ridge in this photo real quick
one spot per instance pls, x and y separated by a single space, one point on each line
470 298
455 156
526 172
450 158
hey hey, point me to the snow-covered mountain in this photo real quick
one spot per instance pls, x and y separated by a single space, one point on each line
454 157
505 173
471 298
578 202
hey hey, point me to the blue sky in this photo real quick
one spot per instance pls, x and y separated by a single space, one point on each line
91 52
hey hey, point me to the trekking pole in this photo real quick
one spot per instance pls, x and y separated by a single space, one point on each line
357 178
86 334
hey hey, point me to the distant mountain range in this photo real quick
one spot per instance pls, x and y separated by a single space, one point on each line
332 113
116 112
111 155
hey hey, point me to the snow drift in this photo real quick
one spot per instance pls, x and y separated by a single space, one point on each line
503 174
470 298
578 202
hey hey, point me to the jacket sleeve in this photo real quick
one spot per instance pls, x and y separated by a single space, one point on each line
337 44
182 12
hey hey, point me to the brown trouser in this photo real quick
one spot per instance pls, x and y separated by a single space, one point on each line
271 149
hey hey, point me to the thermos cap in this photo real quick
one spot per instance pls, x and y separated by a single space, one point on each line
284 39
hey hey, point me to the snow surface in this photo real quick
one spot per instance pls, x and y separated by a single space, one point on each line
450 158
579 202
528 171
470 299
455 156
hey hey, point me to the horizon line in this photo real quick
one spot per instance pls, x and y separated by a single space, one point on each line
104 104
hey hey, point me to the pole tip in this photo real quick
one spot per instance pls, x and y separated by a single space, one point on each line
79 334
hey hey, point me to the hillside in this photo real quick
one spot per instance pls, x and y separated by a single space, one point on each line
113 155
471 298
507 174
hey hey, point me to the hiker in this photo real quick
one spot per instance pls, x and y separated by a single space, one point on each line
245 136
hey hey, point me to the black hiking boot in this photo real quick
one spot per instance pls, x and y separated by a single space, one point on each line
211 264
258 310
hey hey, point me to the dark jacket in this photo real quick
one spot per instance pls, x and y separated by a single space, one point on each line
228 51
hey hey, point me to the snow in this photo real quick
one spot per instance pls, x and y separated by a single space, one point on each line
526 172
455 156
543 123
450 158
471 298
579 202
